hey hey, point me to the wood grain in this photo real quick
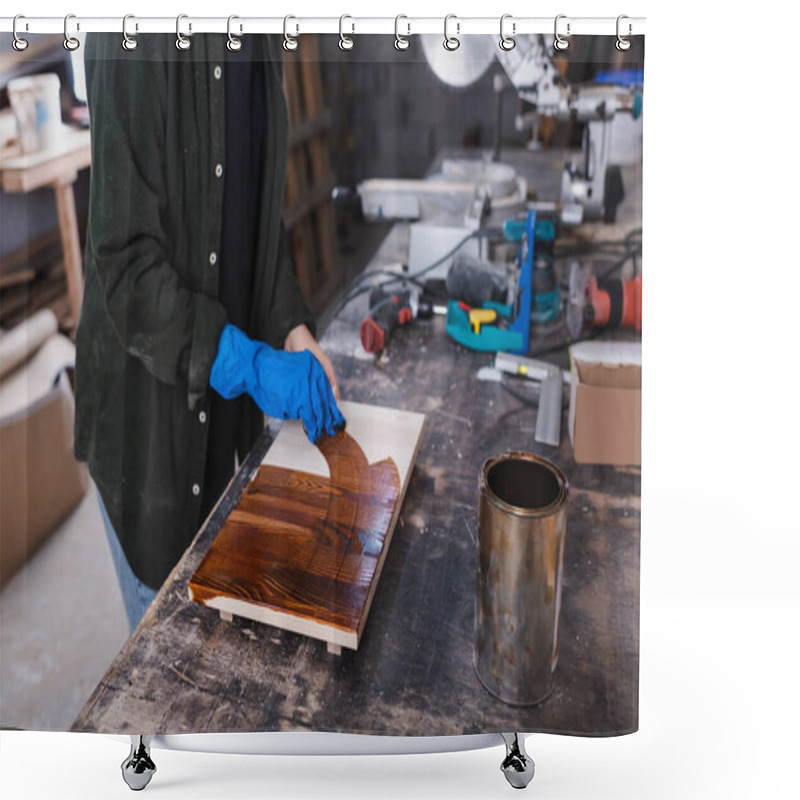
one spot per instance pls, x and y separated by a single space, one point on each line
303 551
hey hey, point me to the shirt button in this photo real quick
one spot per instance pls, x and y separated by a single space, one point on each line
218 170
202 417
196 489
212 258
217 72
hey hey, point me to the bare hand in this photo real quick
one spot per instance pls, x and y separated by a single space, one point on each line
299 339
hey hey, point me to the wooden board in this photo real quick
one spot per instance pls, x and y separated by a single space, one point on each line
304 547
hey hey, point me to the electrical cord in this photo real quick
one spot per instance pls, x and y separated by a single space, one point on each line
632 249
412 277
394 277
636 232
631 254
613 267
582 250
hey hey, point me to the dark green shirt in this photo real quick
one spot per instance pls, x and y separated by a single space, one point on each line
151 318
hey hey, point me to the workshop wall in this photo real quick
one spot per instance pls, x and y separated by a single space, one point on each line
392 116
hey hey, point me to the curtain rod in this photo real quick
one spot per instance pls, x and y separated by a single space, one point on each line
293 25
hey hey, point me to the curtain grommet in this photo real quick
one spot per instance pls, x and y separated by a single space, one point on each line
623 44
128 42
451 43
19 44
561 42
400 42
71 43
290 42
506 42
233 44
182 42
345 42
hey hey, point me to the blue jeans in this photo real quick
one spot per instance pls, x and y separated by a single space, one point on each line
136 595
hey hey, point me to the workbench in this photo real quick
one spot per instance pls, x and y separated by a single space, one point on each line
185 670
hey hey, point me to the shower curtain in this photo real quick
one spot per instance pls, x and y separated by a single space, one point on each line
282 183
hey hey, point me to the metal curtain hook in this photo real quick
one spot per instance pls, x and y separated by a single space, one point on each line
400 42
70 42
451 42
506 42
182 43
345 42
234 44
561 43
623 44
128 42
19 44
289 42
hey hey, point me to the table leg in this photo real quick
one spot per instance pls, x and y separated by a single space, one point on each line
70 242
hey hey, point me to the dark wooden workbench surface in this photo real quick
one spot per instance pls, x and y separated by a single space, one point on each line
184 670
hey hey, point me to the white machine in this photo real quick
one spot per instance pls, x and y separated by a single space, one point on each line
590 189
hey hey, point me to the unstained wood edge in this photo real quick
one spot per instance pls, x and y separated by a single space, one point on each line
283 620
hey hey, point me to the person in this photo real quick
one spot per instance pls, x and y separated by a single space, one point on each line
192 325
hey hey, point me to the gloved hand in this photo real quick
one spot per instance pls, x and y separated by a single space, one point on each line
284 385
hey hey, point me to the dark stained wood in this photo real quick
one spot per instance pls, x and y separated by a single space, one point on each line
303 545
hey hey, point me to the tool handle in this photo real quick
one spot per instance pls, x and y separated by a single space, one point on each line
390 311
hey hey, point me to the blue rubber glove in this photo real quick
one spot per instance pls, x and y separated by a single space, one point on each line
284 385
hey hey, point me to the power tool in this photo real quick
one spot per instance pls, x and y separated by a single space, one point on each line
546 299
602 302
509 329
387 312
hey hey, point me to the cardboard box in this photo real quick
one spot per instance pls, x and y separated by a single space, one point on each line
40 481
605 409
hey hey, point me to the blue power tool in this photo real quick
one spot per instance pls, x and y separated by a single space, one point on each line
546 302
497 327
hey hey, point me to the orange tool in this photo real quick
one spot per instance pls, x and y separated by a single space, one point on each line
603 302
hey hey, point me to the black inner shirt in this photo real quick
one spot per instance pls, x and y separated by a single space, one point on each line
245 130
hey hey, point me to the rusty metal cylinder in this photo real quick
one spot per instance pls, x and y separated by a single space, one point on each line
521 529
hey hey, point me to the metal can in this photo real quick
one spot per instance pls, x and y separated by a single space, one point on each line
521 530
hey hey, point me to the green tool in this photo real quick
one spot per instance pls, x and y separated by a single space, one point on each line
512 332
